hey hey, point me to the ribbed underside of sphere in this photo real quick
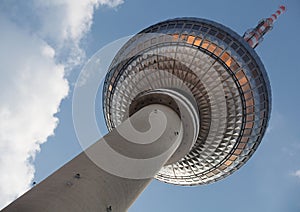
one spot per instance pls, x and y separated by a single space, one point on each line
218 69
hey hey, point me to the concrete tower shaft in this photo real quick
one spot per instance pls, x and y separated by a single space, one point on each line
100 180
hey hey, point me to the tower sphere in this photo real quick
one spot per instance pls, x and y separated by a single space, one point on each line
220 75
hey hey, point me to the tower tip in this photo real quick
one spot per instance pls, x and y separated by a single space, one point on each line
255 36
283 7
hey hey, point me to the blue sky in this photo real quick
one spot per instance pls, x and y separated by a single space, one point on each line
268 182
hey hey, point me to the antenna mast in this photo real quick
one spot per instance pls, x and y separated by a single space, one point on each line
255 36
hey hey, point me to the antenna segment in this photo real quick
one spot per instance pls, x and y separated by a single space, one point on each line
255 36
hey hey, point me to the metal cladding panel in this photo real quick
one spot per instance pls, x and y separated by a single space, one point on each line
218 69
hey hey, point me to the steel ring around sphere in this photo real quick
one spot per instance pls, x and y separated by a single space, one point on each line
217 71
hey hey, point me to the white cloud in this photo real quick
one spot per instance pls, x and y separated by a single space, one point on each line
65 22
70 19
32 86
297 173
34 36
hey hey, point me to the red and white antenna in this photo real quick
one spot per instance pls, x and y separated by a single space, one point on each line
255 36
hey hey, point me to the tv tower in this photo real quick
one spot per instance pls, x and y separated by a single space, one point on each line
187 101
